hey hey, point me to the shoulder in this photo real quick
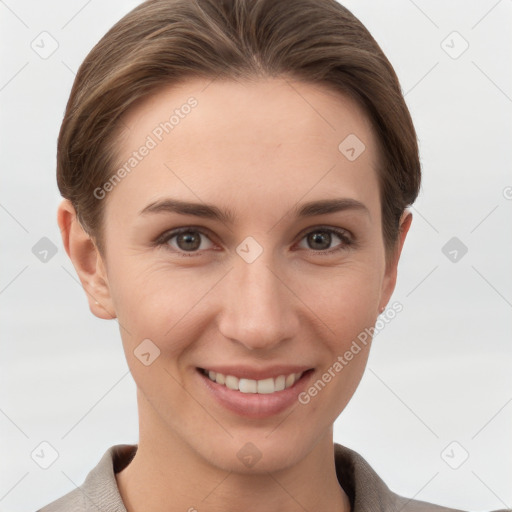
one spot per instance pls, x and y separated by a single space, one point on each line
74 500
99 490
369 493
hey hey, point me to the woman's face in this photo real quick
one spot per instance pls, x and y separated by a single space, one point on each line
261 283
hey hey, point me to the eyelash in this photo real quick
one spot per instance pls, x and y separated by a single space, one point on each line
347 241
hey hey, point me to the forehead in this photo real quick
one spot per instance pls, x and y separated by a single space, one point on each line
243 142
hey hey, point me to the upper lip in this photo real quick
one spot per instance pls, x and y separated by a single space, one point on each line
247 372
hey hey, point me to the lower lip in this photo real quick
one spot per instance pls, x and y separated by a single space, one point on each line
256 405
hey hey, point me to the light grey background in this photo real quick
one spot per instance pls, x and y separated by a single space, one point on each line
438 373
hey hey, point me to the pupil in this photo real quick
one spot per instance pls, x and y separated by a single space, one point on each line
319 237
189 238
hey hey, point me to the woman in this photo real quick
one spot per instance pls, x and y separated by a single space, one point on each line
236 177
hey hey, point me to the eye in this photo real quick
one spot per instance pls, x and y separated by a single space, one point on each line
188 240
320 239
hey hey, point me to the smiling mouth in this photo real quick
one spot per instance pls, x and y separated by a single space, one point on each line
264 386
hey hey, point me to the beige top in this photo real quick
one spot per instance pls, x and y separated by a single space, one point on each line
365 489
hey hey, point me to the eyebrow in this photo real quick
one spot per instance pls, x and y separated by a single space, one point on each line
210 211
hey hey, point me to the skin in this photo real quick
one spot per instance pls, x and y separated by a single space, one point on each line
257 148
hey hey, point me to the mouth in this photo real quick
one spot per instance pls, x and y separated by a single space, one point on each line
254 399
267 386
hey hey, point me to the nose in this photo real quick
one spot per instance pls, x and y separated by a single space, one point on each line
259 310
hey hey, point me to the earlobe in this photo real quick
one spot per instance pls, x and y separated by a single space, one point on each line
87 261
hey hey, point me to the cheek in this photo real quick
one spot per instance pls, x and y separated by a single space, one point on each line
156 302
347 307
347 304
346 297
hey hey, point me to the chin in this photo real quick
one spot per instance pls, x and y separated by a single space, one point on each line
259 453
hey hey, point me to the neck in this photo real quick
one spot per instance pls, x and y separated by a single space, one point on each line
167 474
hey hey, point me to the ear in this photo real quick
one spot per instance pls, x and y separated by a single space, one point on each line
87 261
389 281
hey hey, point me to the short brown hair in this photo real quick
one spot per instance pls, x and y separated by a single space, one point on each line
163 42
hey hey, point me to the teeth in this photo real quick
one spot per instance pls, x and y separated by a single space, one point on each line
248 386
231 382
265 386
289 380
